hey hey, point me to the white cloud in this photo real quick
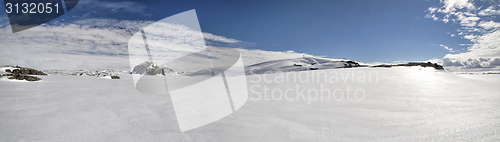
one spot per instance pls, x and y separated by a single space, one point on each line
471 37
93 44
217 38
221 41
432 9
478 26
447 48
484 63
489 25
433 16
488 11
454 5
468 21
68 46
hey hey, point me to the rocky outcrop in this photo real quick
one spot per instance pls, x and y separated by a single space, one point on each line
23 77
148 68
23 70
22 73
428 64
385 66
350 64
115 77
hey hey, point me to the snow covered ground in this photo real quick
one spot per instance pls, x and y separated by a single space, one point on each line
378 104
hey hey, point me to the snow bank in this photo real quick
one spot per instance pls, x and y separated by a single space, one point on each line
408 104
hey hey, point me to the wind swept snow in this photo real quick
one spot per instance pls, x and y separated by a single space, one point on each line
395 104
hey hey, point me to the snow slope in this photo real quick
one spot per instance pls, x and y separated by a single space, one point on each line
295 64
286 65
407 103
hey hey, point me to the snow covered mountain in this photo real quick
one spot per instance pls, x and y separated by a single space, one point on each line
289 65
300 64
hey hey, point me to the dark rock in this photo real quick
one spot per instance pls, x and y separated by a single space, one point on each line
24 77
428 64
492 73
23 73
297 65
350 64
115 77
27 71
386 66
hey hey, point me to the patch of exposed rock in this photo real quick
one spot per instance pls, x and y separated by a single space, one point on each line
428 64
148 68
22 73
350 64
115 77
23 77
23 70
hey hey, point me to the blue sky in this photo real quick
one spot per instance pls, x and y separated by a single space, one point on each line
368 31
460 32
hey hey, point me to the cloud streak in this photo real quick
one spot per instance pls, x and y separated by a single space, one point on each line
447 48
209 36
94 44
